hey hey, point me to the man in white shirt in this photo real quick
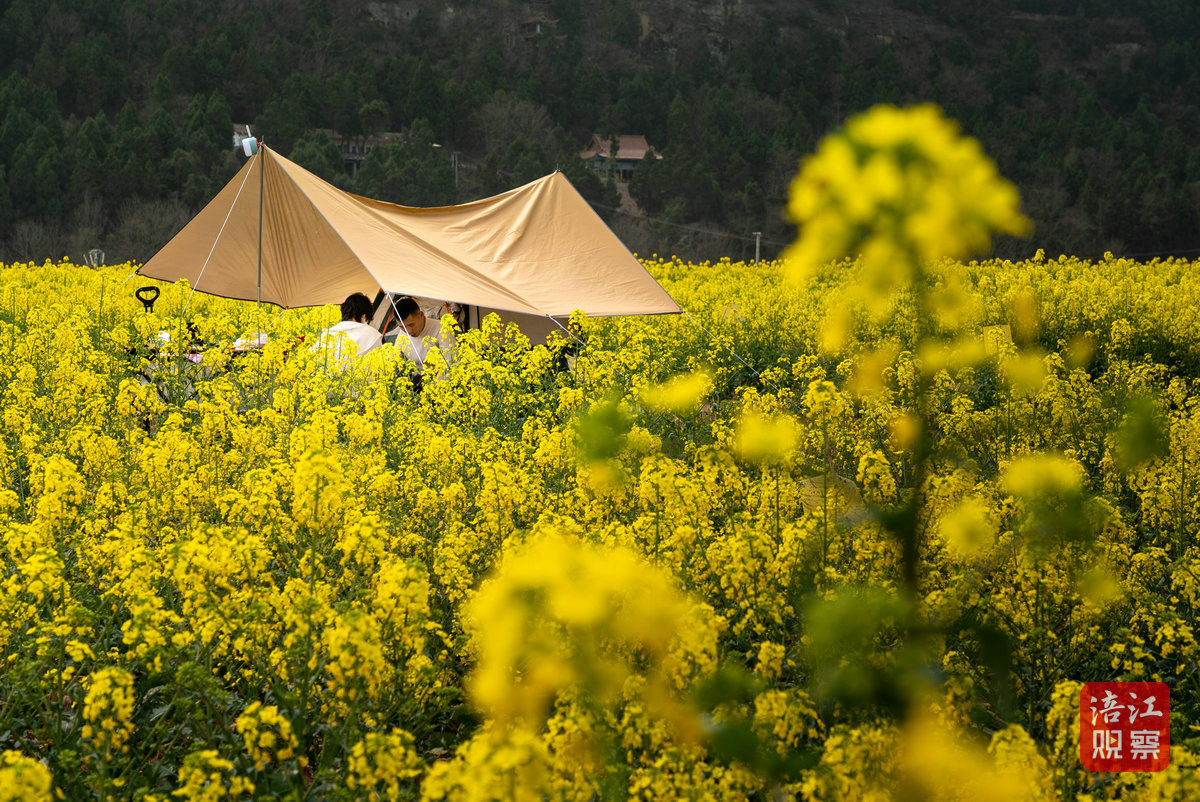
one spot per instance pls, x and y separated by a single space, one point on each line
356 311
421 332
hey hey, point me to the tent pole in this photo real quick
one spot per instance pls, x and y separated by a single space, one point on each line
261 172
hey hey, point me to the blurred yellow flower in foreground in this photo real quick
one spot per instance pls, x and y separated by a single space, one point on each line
562 615
897 185
1043 475
679 394
766 439
940 761
23 777
968 529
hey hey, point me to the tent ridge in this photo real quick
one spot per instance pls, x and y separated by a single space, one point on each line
428 246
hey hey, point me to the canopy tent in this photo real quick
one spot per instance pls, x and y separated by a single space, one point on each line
537 250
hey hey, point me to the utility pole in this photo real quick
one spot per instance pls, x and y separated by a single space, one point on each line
453 160
757 243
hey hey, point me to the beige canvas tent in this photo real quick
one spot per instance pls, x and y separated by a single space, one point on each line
538 251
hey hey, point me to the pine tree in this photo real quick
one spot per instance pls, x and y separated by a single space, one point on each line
316 153
6 208
88 155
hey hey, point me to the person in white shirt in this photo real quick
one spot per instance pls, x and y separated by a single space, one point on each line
421 332
356 311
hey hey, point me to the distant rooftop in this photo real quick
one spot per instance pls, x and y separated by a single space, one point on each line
631 147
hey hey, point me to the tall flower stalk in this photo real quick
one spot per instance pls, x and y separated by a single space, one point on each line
905 191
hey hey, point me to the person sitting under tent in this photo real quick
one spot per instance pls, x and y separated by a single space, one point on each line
423 331
356 311
387 321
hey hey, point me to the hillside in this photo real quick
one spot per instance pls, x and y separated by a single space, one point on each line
115 119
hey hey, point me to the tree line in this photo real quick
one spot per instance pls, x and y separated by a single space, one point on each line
116 119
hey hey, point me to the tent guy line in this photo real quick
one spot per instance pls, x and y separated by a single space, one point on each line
711 337
619 372
208 258
392 300
729 348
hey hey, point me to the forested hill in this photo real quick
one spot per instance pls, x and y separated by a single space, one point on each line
116 118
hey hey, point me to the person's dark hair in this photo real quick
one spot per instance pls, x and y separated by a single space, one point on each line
406 307
356 306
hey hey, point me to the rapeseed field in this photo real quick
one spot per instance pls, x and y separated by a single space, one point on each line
859 525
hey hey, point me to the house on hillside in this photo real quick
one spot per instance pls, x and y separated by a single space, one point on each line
533 27
354 149
631 149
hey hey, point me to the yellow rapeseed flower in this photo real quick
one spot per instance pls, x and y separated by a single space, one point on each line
897 185
23 779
